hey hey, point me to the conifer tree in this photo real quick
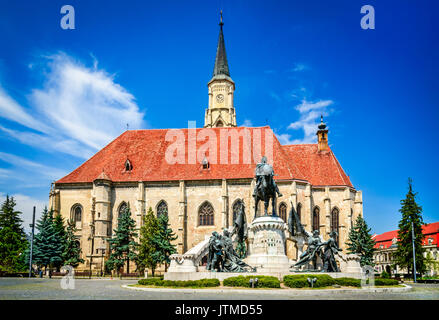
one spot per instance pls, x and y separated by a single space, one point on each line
411 212
72 249
13 242
60 237
162 241
360 242
148 245
123 245
47 249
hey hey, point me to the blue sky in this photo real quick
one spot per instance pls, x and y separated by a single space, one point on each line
66 93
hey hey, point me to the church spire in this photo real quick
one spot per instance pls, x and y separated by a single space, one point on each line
221 65
221 112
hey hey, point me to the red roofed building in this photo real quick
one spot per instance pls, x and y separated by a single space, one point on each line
199 176
386 244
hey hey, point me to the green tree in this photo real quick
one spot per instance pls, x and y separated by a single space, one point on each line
123 245
72 249
60 237
148 244
360 242
47 249
162 240
411 212
13 242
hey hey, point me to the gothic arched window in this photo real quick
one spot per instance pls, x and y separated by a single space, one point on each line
205 214
162 208
123 206
335 221
283 211
236 208
316 219
77 215
299 211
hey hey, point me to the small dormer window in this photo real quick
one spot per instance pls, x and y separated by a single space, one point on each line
128 165
430 240
205 163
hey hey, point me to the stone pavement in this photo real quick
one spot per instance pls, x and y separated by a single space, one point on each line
106 289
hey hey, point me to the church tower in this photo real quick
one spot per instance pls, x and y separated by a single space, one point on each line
220 112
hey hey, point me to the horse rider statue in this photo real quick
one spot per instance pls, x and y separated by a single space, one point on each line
266 187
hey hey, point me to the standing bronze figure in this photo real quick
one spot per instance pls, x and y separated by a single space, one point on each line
313 251
266 187
330 250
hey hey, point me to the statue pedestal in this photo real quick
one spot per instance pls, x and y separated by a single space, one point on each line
267 248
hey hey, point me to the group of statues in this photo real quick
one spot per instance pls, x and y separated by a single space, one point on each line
222 255
314 250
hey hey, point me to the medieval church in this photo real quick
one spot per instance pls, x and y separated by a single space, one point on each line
203 196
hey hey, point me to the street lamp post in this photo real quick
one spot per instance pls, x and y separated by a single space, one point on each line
102 263
414 255
31 243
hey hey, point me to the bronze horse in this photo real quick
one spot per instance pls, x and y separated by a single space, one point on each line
266 190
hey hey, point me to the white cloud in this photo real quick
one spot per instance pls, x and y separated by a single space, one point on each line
310 112
25 204
247 123
77 111
299 67
27 165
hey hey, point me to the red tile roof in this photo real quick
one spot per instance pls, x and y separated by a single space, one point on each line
146 150
430 230
320 168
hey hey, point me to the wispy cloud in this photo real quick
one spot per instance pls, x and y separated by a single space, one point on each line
77 111
28 165
25 205
247 123
275 96
309 114
300 67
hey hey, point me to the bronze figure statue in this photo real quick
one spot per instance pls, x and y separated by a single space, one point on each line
240 229
330 250
222 257
266 187
294 225
313 251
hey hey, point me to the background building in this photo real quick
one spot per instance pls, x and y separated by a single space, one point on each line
386 244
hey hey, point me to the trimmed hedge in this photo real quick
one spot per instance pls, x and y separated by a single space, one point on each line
348 282
386 282
244 281
189 283
301 280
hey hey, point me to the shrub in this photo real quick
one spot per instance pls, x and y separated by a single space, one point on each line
348 282
385 275
170 283
301 280
385 282
244 281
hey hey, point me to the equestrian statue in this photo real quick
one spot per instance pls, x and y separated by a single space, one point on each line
266 187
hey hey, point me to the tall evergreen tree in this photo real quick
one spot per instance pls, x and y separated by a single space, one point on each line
162 240
47 249
360 242
148 244
123 245
72 249
411 212
60 237
13 241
